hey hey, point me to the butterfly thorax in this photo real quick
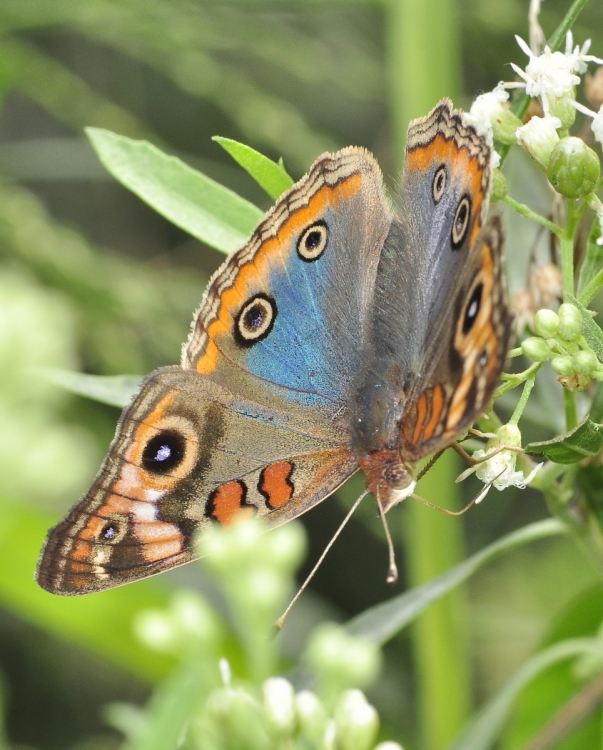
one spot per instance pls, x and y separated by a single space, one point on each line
376 418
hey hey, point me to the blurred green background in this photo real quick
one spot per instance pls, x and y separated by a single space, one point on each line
91 279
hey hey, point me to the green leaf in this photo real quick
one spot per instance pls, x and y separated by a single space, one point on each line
593 258
548 692
584 440
101 623
172 705
116 390
483 731
189 199
382 622
269 175
592 333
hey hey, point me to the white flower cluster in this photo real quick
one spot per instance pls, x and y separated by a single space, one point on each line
552 78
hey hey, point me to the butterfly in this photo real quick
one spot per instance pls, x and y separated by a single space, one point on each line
348 333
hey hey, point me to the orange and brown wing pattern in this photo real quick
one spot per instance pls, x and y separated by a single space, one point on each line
186 455
463 368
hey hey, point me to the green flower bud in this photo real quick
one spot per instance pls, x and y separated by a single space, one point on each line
311 716
357 722
195 619
504 125
279 706
341 658
546 323
539 137
284 548
508 434
563 365
570 322
573 169
561 108
584 362
536 348
499 186
157 630
237 718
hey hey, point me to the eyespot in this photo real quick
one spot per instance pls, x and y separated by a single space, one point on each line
439 183
461 222
313 241
255 320
483 358
472 309
109 532
164 452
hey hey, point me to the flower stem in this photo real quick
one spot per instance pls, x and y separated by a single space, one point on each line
524 210
558 36
515 379
571 409
521 404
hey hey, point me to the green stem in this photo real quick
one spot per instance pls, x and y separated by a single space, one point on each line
591 289
513 380
524 210
558 36
424 64
567 264
521 404
571 409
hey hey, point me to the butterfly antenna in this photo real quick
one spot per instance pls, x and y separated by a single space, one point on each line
392 573
281 620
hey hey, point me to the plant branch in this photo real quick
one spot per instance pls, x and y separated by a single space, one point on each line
527 212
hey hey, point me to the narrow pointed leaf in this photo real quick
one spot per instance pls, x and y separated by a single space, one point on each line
484 730
592 333
584 440
382 622
116 390
269 175
189 199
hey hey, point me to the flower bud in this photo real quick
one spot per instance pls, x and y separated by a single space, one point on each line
584 362
311 716
499 186
157 630
570 322
279 706
341 658
546 323
539 137
357 722
284 548
489 113
563 365
573 169
536 348
561 108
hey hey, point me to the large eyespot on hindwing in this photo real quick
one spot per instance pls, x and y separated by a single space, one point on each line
460 225
255 320
440 181
472 309
313 241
